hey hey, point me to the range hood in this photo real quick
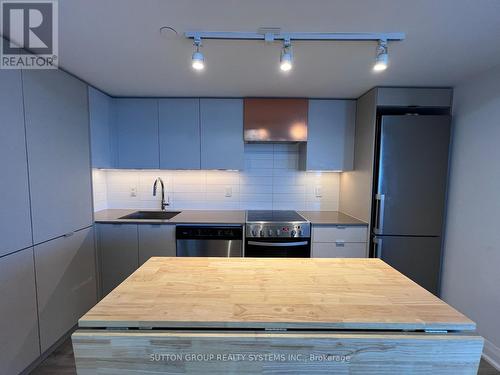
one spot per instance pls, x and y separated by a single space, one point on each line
275 120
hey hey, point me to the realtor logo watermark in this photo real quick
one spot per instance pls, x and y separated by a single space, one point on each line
30 34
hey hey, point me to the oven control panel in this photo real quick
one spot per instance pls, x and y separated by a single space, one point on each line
278 230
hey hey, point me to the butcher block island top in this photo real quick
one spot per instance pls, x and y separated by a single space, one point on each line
257 293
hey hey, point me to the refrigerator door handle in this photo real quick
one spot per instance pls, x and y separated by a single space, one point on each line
378 247
379 213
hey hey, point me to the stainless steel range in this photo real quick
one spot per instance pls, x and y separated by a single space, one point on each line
277 234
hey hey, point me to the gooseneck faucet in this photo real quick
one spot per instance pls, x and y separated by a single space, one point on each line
163 203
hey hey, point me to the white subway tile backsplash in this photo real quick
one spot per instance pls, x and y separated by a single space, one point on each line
271 180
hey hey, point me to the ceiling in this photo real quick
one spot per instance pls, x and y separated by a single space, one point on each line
116 45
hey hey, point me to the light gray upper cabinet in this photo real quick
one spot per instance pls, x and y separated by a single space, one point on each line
118 253
179 122
222 144
156 241
330 139
101 135
414 97
66 283
15 220
135 124
19 342
57 134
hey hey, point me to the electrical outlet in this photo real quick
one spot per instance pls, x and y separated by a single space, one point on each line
228 192
318 192
133 191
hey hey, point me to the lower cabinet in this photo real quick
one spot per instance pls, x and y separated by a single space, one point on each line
118 253
156 241
66 283
339 241
18 324
125 247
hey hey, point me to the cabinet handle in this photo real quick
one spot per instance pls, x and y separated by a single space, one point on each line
339 243
68 234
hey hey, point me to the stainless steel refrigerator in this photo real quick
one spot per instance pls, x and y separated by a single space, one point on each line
409 196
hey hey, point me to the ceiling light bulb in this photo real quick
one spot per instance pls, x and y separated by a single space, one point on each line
286 60
198 61
382 58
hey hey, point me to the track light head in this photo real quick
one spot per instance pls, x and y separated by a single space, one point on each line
382 57
197 60
286 59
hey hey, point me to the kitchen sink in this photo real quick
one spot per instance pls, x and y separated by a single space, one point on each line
151 215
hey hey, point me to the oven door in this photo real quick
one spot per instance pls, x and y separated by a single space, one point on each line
278 248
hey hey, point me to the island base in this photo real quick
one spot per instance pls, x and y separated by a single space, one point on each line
259 352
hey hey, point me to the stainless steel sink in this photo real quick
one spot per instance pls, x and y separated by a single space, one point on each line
150 215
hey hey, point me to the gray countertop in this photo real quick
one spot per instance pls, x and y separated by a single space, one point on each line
185 217
221 217
330 218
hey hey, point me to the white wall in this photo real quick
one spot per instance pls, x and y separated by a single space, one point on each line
270 180
471 269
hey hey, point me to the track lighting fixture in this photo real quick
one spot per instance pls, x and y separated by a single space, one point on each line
286 59
382 57
270 35
197 60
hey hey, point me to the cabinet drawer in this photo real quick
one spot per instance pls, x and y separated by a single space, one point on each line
339 233
339 250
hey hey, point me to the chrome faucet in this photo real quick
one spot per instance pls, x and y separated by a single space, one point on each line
163 203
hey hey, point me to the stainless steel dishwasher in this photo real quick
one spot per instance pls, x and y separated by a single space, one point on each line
209 241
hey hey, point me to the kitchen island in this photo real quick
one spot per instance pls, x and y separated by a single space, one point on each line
249 315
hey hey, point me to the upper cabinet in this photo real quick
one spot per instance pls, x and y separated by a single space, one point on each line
414 97
179 122
15 221
135 124
194 133
330 144
101 136
57 135
221 123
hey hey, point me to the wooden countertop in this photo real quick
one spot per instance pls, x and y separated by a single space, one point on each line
272 293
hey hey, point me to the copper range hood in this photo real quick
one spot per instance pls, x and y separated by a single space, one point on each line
275 120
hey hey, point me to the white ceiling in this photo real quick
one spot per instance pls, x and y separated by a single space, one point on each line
116 45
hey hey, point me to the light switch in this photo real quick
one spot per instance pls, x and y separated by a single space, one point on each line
228 192
317 192
133 191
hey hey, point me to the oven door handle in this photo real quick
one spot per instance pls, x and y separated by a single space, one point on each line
278 244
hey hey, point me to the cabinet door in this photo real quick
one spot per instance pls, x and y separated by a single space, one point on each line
135 123
330 143
339 250
101 137
221 133
156 241
66 283
119 254
15 221
414 97
57 132
179 121
19 342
